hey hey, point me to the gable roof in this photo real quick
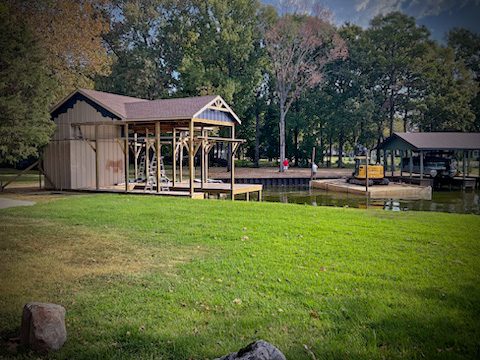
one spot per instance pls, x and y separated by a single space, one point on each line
176 108
435 141
131 108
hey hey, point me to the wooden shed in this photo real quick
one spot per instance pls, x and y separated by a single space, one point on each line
110 142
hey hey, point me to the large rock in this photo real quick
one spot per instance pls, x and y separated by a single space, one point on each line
258 350
43 327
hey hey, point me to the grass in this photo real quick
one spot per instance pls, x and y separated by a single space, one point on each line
145 277
30 177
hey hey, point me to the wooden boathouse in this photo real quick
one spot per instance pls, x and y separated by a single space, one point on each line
113 143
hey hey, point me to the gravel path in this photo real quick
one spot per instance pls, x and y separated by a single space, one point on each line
7 203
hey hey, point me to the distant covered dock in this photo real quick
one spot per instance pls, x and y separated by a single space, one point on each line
418 148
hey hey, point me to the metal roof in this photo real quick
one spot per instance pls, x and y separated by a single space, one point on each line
131 108
433 141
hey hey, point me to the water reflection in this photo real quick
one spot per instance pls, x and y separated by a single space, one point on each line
465 202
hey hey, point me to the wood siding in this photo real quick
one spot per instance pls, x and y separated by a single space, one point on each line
69 159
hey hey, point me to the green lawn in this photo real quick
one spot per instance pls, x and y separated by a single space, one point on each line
164 278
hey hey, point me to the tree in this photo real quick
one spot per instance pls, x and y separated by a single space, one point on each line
226 57
299 47
70 33
25 91
466 45
449 88
147 41
394 41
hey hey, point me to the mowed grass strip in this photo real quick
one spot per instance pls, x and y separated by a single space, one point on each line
164 278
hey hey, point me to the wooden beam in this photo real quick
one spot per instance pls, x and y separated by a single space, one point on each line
20 174
221 139
135 154
174 157
190 159
157 151
421 164
147 158
126 153
232 165
202 160
410 163
401 163
97 164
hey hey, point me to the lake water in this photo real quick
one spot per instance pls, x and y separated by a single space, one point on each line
464 202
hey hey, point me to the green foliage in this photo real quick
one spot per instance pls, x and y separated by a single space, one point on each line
449 90
147 41
25 91
225 58
467 49
141 278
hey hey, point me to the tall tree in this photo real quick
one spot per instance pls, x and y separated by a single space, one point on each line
70 32
226 57
449 89
395 41
300 46
147 41
466 45
25 90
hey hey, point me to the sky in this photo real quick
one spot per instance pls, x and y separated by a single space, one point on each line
439 16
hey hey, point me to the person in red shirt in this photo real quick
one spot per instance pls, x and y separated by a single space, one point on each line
285 164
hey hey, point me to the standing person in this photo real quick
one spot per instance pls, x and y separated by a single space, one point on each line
285 164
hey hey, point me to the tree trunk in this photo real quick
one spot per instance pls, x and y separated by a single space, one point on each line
391 118
282 137
330 145
295 137
257 139
340 150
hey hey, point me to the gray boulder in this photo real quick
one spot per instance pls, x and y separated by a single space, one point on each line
258 350
43 327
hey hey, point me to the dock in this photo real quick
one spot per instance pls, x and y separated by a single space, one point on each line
221 189
391 191
208 190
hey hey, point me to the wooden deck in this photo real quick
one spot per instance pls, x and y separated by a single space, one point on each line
183 190
391 191
221 188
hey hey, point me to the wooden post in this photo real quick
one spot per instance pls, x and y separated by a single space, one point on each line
385 162
135 137
180 161
174 158
126 157
468 162
190 158
401 163
463 165
366 175
157 151
232 166
392 165
97 165
147 158
202 160
421 164
206 156
410 164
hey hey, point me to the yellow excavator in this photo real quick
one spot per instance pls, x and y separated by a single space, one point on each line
375 172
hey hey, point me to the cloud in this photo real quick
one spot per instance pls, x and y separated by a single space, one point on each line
368 9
